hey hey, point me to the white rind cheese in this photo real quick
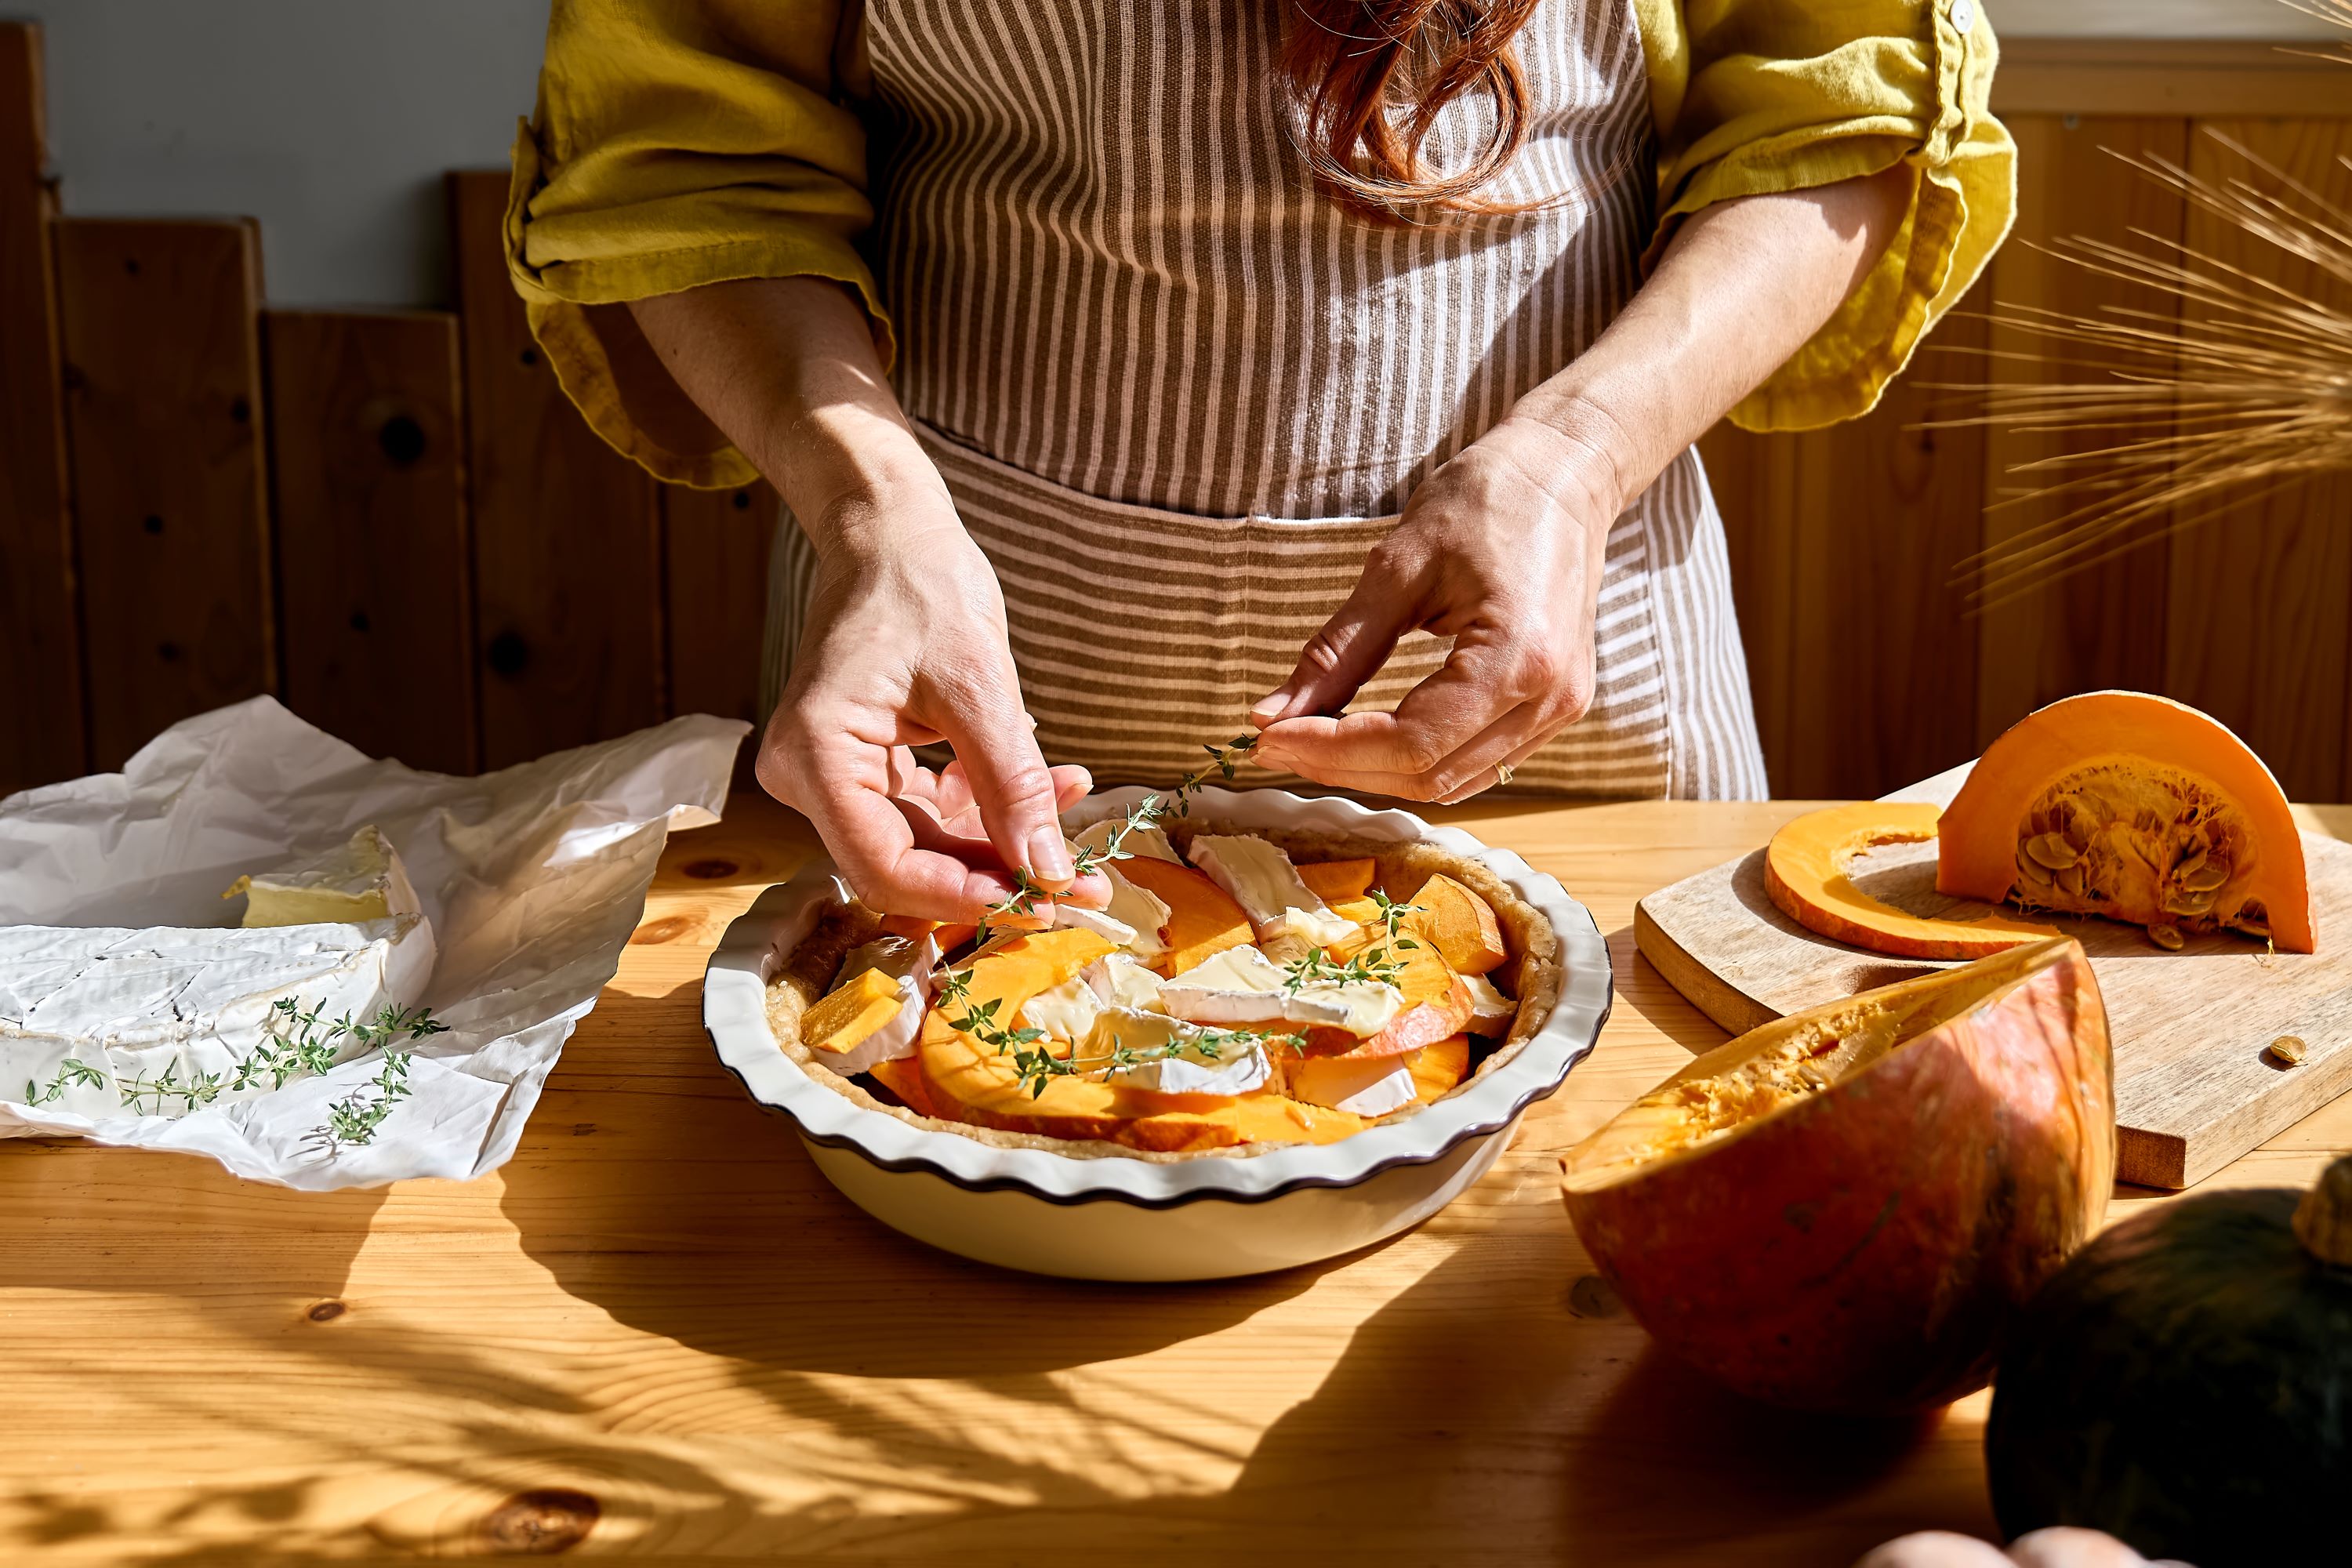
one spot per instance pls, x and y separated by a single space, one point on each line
1260 877
1067 1012
1150 843
914 965
1491 1012
1239 1065
1100 922
168 1005
1242 986
1373 1086
360 879
1121 980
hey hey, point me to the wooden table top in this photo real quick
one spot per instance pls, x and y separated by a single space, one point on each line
659 1323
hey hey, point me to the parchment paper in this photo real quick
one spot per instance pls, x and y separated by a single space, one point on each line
532 878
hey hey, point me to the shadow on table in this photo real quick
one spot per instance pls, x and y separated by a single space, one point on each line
1500 1405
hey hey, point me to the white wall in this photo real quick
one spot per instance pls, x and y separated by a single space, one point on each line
331 121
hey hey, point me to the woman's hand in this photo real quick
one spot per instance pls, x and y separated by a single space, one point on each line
1500 549
905 645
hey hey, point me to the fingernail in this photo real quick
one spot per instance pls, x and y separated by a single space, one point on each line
1267 710
1049 855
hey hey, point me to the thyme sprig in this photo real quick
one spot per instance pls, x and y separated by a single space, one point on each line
354 1118
1223 760
69 1072
1039 1066
1377 962
304 1042
191 1092
1146 814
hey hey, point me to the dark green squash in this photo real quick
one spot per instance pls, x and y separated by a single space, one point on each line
2185 1383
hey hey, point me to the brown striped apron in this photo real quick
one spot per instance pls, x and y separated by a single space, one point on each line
1177 395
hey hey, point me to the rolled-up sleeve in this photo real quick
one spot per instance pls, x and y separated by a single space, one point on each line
1760 96
676 143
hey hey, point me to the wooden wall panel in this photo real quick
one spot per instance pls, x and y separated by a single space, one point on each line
43 738
567 534
2259 623
717 543
163 410
1859 648
2104 627
367 439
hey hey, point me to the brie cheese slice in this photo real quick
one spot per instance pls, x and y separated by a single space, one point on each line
1259 877
1122 980
1213 1063
1100 922
145 1014
1242 986
1491 1012
1373 1086
1067 1012
914 965
1152 842
361 879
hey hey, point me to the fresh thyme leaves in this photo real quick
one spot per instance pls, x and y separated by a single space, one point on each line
304 1042
1221 762
353 1118
1040 1066
1147 814
1377 961
69 1072
1392 915
1022 901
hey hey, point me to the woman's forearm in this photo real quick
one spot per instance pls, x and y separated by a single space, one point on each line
1742 286
786 367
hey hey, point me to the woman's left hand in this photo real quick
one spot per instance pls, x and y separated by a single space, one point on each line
1500 549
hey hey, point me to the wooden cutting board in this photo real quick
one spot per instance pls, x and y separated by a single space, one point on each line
2194 1088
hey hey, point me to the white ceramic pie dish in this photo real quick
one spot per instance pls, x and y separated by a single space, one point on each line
1114 1218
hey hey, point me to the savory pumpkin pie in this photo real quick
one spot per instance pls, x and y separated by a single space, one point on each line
1242 991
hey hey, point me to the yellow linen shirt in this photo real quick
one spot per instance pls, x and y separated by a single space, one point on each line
680 142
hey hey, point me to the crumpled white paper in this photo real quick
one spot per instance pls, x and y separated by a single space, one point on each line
532 878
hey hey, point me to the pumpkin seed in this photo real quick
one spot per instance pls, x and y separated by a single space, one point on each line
2071 880
2166 937
2205 877
2289 1048
2189 905
2033 870
2052 851
2194 859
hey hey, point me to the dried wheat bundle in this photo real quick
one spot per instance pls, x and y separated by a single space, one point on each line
2245 390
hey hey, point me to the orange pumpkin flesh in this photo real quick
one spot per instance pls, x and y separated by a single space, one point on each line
1842 1210
2132 807
1805 872
1203 921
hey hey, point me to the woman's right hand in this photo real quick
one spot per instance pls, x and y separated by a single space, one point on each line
905 645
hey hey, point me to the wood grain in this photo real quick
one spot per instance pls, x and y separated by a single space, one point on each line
716 545
163 406
660 1307
2259 623
2167 77
367 437
1845 541
2194 1090
40 610
2102 628
567 533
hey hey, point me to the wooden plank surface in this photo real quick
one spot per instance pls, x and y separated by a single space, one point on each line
2193 1089
2102 628
165 412
660 1322
2168 75
40 611
2259 631
567 533
367 439
1844 545
717 544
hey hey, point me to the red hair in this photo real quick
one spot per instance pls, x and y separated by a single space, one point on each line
1370 79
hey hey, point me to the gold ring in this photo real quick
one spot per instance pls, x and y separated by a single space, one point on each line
1502 772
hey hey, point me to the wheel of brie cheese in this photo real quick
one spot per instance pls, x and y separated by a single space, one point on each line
1243 991
98 1022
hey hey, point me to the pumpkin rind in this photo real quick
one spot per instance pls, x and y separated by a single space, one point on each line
2183 1384
2136 808
1805 873
1859 1248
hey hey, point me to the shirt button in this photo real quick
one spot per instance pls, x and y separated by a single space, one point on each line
1964 16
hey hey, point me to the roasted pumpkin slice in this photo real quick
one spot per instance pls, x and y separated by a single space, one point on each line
1805 870
2132 807
1335 880
1203 919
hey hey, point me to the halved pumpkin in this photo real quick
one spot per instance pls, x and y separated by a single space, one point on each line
1844 1209
2132 807
1805 870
